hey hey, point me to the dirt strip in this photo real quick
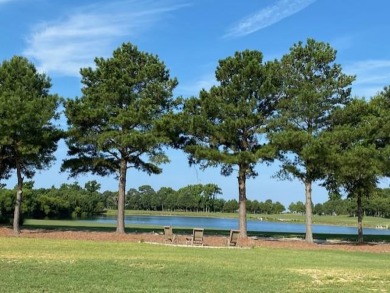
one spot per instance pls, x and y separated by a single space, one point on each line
209 241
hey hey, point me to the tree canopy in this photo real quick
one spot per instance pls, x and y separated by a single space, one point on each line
226 125
28 137
117 123
313 86
358 150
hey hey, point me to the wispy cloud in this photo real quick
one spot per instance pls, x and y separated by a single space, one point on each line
193 88
267 16
66 45
371 76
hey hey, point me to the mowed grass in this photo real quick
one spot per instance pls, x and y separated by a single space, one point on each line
50 265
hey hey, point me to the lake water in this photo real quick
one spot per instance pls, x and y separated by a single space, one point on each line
227 224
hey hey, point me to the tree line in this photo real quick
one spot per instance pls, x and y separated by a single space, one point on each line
377 205
67 201
74 201
195 198
297 110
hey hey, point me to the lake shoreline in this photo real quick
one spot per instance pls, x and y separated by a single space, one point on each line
232 223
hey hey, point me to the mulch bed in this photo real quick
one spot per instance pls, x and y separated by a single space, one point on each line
209 241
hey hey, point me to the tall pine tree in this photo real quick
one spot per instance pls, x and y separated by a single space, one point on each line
358 150
28 137
313 86
117 123
226 125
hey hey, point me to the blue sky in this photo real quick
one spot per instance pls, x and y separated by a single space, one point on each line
190 36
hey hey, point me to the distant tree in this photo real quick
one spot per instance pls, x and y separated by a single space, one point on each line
155 202
278 208
29 184
29 205
162 195
208 196
28 137
297 207
117 123
253 206
189 197
171 201
73 186
92 186
54 206
313 87
146 193
335 207
218 204
7 205
110 199
377 205
267 207
133 199
226 125
256 206
230 206
318 209
382 202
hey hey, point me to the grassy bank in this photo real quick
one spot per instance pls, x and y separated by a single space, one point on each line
48 265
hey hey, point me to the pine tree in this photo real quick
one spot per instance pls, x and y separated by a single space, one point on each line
117 123
226 125
28 137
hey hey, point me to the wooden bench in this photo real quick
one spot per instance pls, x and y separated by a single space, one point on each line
233 237
168 234
197 237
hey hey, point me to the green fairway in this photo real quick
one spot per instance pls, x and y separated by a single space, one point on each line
48 265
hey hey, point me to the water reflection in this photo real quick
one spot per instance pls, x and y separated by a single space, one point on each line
227 224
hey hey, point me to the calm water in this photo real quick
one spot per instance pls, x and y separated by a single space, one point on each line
227 224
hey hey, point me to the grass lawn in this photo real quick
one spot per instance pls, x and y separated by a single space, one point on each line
50 265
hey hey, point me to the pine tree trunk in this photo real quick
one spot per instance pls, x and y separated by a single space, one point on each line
242 202
120 227
18 203
360 219
309 212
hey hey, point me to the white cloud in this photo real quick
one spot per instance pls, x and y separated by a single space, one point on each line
371 76
267 16
66 45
